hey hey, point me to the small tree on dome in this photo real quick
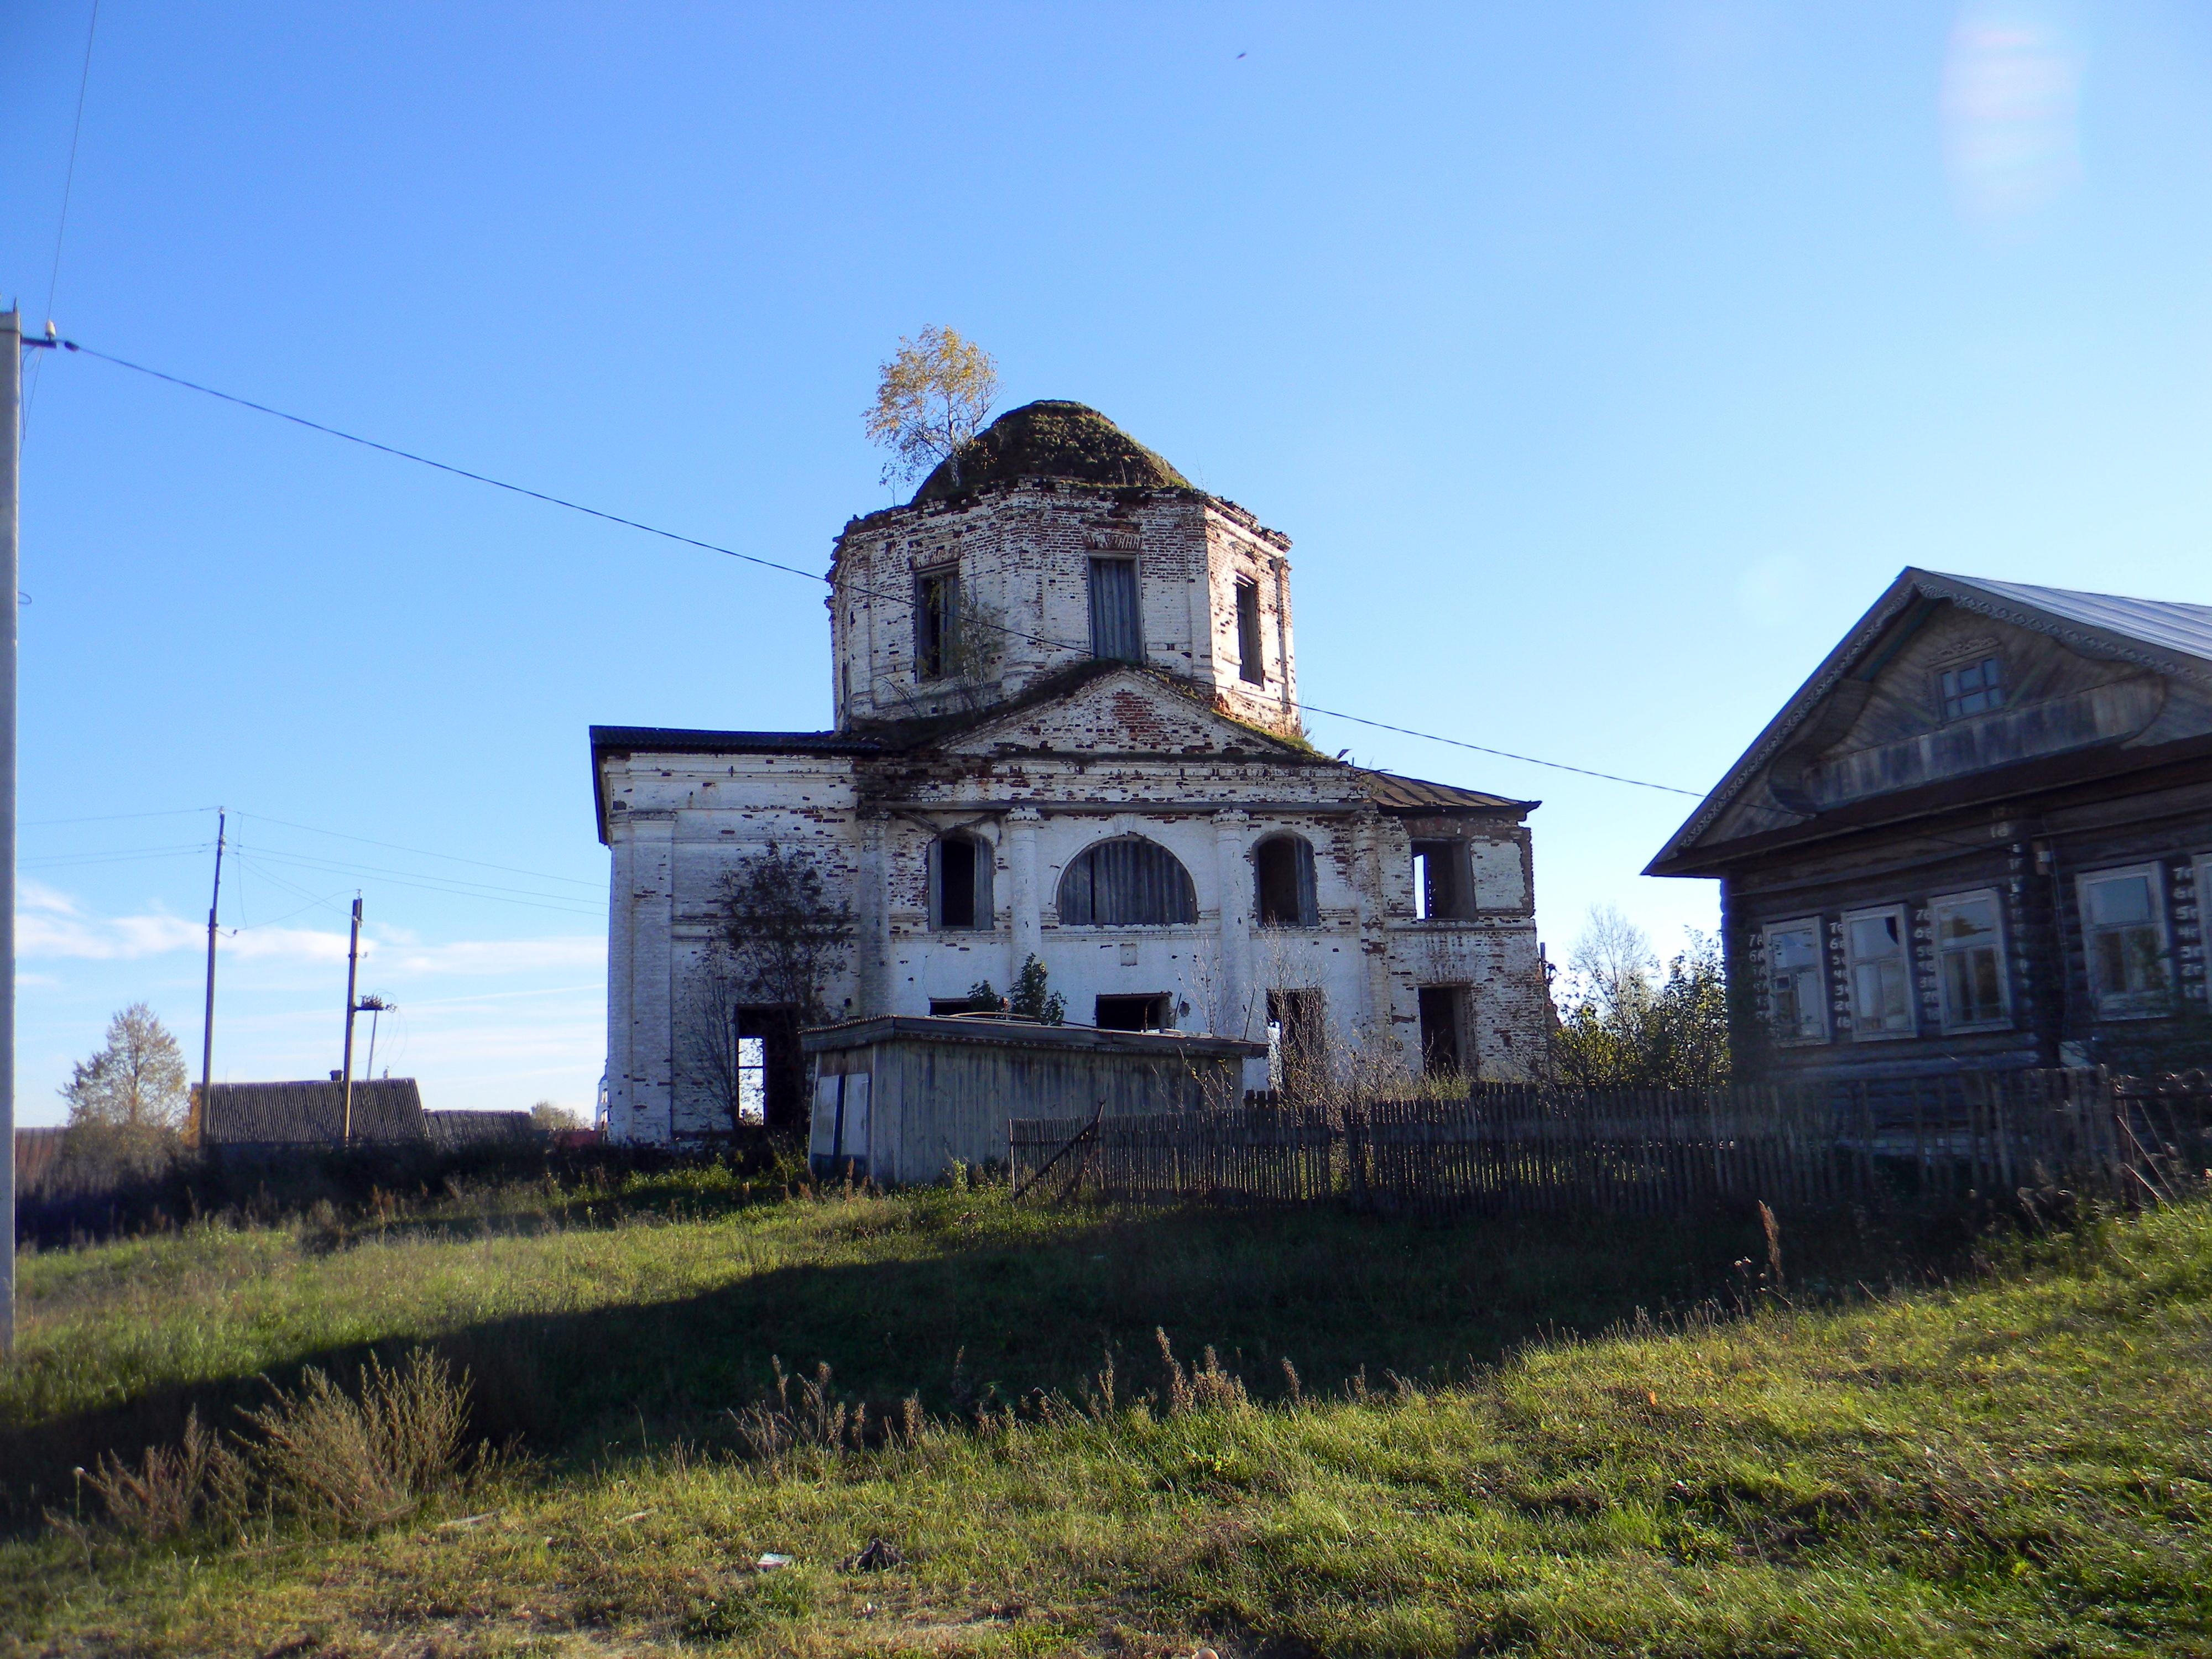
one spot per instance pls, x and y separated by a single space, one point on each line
931 399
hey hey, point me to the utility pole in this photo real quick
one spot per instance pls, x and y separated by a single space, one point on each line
207 1022
11 407
353 960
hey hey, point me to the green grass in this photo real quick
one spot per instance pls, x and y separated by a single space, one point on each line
2019 1464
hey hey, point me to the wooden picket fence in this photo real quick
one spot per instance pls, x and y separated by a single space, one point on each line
1529 1148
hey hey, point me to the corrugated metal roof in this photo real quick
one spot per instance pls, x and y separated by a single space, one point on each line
310 1114
677 740
2169 624
476 1128
1392 792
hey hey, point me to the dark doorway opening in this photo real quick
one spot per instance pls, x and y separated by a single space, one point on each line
1297 1041
1143 1013
771 1068
1283 869
1440 1036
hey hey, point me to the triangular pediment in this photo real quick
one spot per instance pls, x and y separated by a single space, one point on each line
1948 680
1121 711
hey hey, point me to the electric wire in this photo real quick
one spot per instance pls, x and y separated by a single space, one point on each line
790 569
61 225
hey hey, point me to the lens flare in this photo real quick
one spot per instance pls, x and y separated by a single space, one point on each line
2011 96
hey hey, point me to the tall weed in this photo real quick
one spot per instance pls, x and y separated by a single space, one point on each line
172 1489
358 1461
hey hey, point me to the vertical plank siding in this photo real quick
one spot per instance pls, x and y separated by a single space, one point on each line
1534 1148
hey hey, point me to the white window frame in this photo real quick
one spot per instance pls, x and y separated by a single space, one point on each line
1936 907
1813 926
2127 1004
2204 981
1864 1028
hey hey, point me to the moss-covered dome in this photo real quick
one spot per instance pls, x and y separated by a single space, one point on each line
1050 439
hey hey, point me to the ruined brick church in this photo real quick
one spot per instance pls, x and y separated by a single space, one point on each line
1067 727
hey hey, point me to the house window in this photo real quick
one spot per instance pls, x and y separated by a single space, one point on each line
1973 688
936 623
1440 881
1440 1007
1283 878
2124 934
1969 960
1128 883
1882 972
1116 631
960 884
1251 661
1148 1012
1297 1041
1797 981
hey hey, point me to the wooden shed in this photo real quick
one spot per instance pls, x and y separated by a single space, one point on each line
903 1096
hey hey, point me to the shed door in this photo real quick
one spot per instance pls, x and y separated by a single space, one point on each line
840 1127
853 1132
822 1130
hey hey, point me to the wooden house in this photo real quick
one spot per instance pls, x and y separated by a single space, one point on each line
1977 837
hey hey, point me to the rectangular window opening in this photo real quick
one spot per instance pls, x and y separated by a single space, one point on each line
1973 688
1251 660
1148 1012
2124 936
1881 961
1970 961
1797 981
1440 881
936 623
956 884
1441 1006
1116 630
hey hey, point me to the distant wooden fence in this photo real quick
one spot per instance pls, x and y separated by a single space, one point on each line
1522 1148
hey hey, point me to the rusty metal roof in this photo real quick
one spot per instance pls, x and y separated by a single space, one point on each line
1393 793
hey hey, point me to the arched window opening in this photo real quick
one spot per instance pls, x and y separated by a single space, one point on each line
960 884
1283 876
1129 883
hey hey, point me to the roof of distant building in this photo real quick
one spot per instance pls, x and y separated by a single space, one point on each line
384 1109
1049 439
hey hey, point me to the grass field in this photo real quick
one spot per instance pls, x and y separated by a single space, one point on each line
2019 1463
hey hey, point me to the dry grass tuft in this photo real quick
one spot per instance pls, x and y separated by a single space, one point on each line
172 1489
1206 1387
358 1462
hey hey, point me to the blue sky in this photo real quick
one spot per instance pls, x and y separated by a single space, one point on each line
1603 361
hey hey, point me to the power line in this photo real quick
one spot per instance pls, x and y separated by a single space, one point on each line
61 226
788 570
393 846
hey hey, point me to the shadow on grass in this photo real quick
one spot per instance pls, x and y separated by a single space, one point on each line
986 1320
